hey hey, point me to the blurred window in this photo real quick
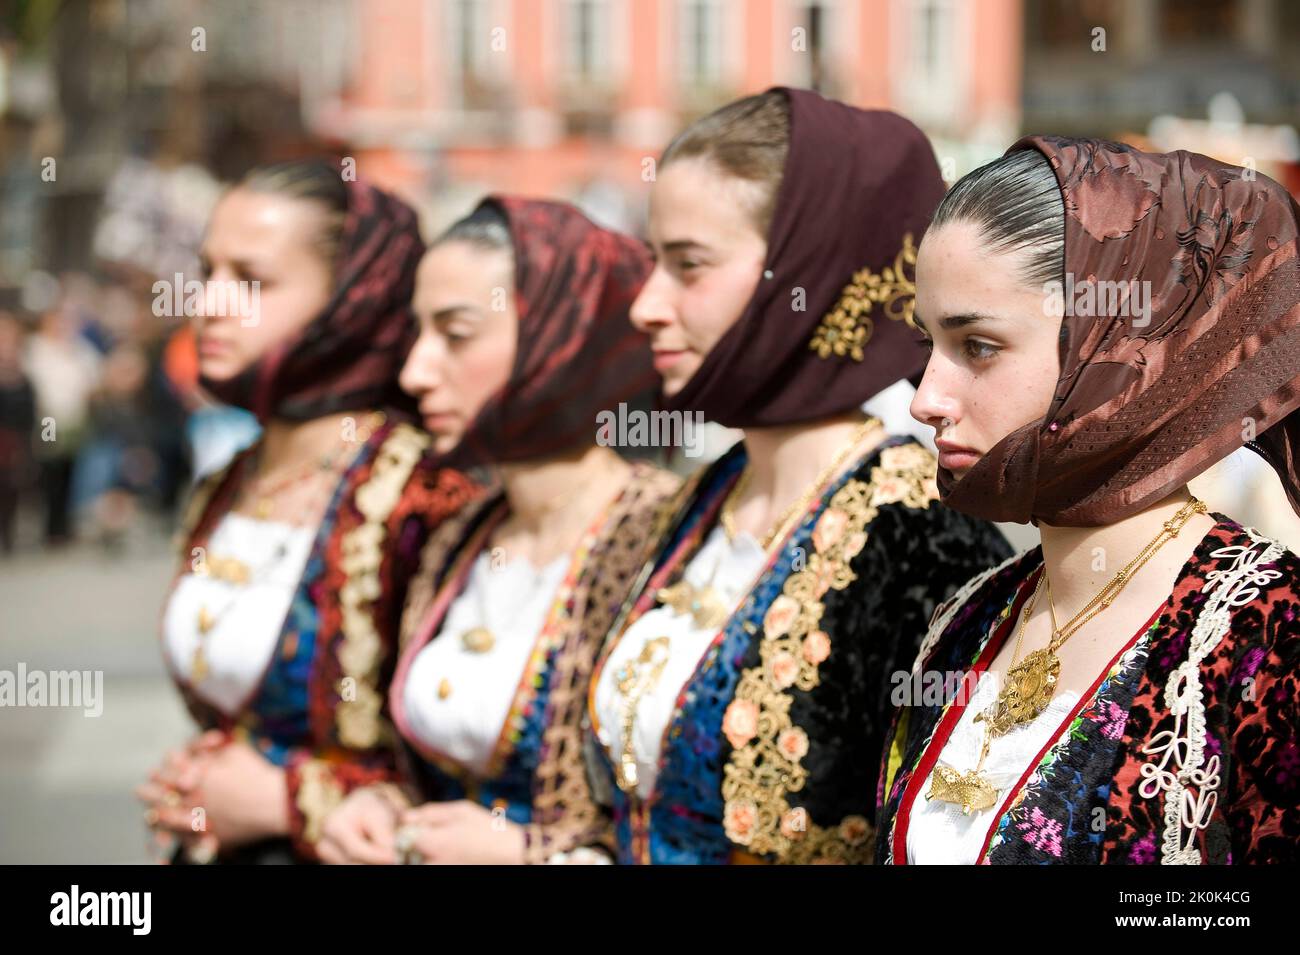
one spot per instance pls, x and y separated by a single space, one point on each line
1199 21
588 38
699 43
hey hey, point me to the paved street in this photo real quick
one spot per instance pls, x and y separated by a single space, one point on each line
66 778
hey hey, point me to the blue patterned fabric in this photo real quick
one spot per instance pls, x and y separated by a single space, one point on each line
278 718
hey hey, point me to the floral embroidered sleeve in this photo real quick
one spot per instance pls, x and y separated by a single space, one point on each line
915 558
1264 817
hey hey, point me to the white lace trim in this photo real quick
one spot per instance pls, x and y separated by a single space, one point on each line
1178 768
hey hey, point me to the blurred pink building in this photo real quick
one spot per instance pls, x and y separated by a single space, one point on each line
571 97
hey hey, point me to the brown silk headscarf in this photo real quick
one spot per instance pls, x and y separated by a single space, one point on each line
1141 409
349 357
829 323
578 353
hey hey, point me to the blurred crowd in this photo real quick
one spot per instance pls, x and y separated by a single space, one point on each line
100 412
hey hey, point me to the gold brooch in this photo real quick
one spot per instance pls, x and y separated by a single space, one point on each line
706 607
846 329
968 790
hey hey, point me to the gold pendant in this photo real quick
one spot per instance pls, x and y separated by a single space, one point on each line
627 776
206 621
1029 688
199 666
968 790
478 639
702 603
230 569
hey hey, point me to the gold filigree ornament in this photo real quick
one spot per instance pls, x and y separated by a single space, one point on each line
845 330
358 712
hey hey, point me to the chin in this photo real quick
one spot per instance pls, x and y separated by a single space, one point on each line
444 442
674 384
218 370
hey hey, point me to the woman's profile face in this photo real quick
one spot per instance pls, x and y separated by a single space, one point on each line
464 303
265 278
708 258
994 353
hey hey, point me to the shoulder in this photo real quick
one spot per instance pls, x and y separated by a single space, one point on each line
650 486
900 471
1257 579
902 496
404 477
643 509
979 599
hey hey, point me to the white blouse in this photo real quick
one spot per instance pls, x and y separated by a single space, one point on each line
939 833
731 568
247 618
456 700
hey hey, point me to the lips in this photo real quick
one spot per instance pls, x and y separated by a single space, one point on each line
209 347
436 420
665 358
955 457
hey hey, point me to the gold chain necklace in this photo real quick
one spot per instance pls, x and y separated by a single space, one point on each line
801 503
1031 683
635 678
704 603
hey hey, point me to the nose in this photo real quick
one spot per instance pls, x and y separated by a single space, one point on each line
205 305
222 298
421 373
653 308
935 403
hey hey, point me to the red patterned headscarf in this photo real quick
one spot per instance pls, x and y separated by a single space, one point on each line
829 323
1143 407
578 354
349 357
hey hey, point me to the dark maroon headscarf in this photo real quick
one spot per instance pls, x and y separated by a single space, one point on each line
1141 410
578 353
858 190
349 357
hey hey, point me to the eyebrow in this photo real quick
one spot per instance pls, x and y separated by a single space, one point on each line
460 309
679 245
955 321
238 263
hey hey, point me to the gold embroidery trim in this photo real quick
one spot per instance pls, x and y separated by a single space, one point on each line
362 554
766 761
846 329
565 814
318 794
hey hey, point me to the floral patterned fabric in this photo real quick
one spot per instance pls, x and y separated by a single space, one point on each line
1186 751
769 756
1181 285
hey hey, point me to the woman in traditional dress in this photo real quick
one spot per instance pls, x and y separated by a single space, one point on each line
741 700
1106 325
524 343
281 625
